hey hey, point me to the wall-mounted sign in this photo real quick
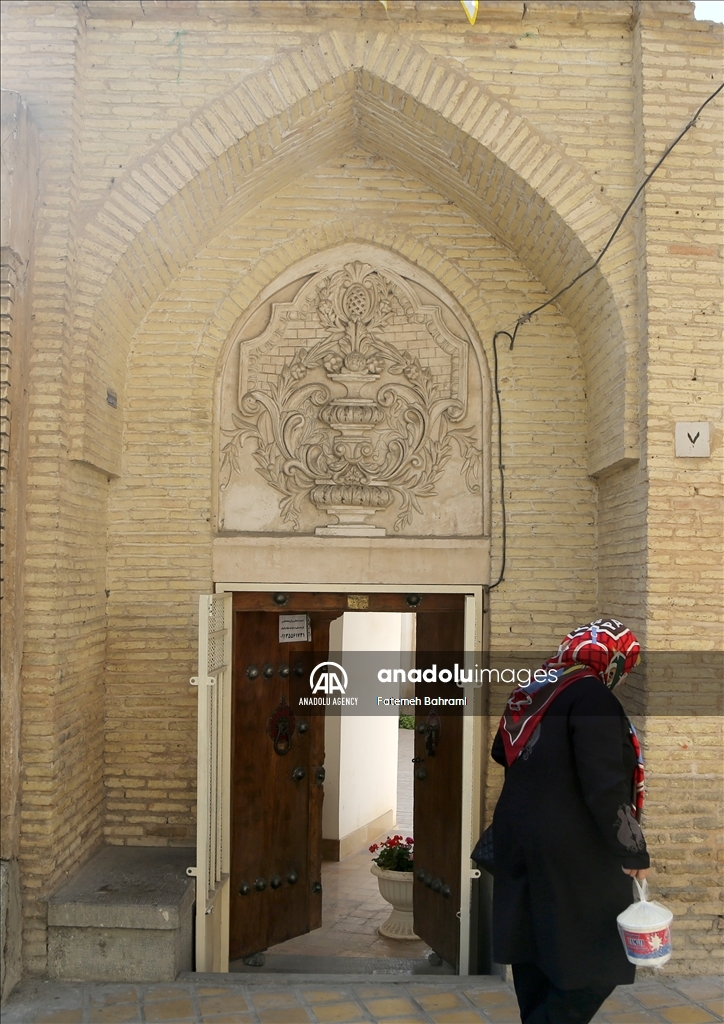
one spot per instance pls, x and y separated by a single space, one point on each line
294 629
692 440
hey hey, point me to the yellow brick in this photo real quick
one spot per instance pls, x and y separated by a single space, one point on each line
196 176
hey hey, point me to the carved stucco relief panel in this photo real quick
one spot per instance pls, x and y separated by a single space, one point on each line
351 405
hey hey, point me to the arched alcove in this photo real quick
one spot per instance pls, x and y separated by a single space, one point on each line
390 97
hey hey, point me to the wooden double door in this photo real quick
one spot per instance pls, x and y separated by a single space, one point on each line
277 769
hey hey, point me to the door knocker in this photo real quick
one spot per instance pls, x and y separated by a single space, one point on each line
281 728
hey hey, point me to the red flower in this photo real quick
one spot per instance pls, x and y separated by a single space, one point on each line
395 853
409 840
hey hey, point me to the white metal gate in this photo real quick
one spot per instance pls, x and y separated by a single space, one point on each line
213 786
470 782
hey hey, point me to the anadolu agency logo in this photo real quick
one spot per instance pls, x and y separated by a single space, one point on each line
328 678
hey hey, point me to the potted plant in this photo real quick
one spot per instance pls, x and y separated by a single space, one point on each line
393 868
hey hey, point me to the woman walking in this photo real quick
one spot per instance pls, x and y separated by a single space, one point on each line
566 829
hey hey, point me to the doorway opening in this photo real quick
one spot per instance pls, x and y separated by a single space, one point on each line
368 798
284 902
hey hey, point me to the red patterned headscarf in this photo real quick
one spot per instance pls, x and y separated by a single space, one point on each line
604 648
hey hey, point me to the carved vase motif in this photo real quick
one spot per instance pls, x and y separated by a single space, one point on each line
353 422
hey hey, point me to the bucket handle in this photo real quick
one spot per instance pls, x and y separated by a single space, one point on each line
642 888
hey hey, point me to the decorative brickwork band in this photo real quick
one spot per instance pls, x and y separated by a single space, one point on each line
10 264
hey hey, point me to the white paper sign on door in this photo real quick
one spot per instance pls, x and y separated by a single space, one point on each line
294 629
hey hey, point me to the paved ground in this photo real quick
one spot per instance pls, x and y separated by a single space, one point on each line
300 999
385 988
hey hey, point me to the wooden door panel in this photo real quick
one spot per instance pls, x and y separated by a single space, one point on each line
273 837
437 788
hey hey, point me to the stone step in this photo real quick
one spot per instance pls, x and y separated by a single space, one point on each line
126 915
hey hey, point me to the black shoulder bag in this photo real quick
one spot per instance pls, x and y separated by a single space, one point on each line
483 852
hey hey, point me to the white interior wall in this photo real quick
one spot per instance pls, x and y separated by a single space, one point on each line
361 751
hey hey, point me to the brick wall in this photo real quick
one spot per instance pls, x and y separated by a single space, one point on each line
64 515
19 170
189 153
682 222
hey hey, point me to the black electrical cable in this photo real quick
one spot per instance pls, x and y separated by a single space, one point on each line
526 317
501 466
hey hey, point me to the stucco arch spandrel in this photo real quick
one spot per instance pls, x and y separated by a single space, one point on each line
379 409
302 108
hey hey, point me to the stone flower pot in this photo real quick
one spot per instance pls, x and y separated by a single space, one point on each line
396 888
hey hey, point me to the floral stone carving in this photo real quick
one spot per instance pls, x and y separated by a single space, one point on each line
353 422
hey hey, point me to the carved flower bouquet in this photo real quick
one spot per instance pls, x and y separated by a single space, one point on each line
395 854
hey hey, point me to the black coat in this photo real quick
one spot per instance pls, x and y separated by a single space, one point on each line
563 829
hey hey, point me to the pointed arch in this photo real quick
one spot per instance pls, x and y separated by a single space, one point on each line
422 113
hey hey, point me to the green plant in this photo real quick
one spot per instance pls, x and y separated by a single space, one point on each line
407 721
395 853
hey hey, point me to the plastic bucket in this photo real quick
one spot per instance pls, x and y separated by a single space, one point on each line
647 947
645 930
